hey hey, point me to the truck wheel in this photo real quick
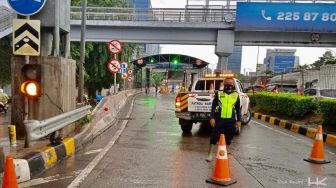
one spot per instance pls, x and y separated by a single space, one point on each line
186 125
246 119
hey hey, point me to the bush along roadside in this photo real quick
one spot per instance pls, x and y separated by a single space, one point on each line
293 105
283 104
327 107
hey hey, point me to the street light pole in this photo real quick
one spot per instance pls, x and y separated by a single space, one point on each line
82 54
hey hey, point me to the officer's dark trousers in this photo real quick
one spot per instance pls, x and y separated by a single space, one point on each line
223 126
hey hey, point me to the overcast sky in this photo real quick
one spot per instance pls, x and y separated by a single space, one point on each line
249 57
307 55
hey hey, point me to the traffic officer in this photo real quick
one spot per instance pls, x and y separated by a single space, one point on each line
225 115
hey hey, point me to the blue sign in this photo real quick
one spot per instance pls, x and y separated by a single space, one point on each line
123 68
298 17
26 7
283 63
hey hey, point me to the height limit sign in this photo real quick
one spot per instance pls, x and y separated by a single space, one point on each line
114 46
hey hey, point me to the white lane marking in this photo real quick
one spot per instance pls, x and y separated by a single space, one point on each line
93 151
40 181
291 136
87 170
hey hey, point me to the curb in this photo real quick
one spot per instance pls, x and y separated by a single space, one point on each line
36 163
294 127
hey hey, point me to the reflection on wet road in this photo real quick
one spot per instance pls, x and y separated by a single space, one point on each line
153 152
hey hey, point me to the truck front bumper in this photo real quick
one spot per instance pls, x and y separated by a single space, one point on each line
194 116
183 115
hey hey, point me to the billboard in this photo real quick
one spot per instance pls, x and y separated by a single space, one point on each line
283 63
282 17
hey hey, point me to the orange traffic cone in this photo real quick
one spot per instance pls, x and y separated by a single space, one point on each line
317 153
221 174
9 178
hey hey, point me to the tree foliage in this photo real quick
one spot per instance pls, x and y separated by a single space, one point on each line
327 58
157 78
102 3
5 60
96 54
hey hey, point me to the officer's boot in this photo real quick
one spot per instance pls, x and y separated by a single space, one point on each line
211 149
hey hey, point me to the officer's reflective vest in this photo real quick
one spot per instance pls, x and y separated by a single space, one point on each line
226 103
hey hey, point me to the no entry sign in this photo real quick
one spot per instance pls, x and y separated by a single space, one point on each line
114 65
114 46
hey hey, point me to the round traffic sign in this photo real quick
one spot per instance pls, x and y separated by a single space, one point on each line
26 7
114 65
129 78
140 61
114 46
123 76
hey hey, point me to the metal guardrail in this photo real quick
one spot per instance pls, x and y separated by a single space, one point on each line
154 14
225 11
39 129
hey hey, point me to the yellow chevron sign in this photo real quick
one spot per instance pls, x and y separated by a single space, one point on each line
26 37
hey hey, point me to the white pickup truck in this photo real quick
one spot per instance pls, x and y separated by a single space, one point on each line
195 106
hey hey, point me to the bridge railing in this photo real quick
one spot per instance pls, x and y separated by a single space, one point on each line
154 14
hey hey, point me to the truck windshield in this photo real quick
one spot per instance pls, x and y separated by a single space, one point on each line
200 85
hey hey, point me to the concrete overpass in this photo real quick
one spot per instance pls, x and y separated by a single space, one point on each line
197 26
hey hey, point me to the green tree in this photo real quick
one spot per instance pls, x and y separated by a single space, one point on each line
304 67
96 74
157 78
269 73
327 58
103 3
5 60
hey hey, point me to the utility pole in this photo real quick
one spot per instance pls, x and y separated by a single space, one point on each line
302 77
82 54
257 65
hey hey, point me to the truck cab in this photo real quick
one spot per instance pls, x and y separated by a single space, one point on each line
195 106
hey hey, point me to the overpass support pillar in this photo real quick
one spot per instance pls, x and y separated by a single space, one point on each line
224 48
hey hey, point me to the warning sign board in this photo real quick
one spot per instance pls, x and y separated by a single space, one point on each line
26 37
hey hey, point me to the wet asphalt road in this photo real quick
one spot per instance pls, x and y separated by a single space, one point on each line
153 152
4 122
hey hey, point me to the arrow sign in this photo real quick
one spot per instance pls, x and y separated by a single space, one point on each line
26 37
113 66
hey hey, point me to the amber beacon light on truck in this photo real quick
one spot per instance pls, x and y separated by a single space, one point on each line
221 75
181 102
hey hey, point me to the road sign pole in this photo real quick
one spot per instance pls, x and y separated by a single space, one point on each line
115 78
26 107
82 54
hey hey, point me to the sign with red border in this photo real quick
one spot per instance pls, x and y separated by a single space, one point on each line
140 61
114 46
123 76
129 78
114 65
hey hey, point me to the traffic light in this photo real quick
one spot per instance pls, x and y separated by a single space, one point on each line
151 60
31 85
175 60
